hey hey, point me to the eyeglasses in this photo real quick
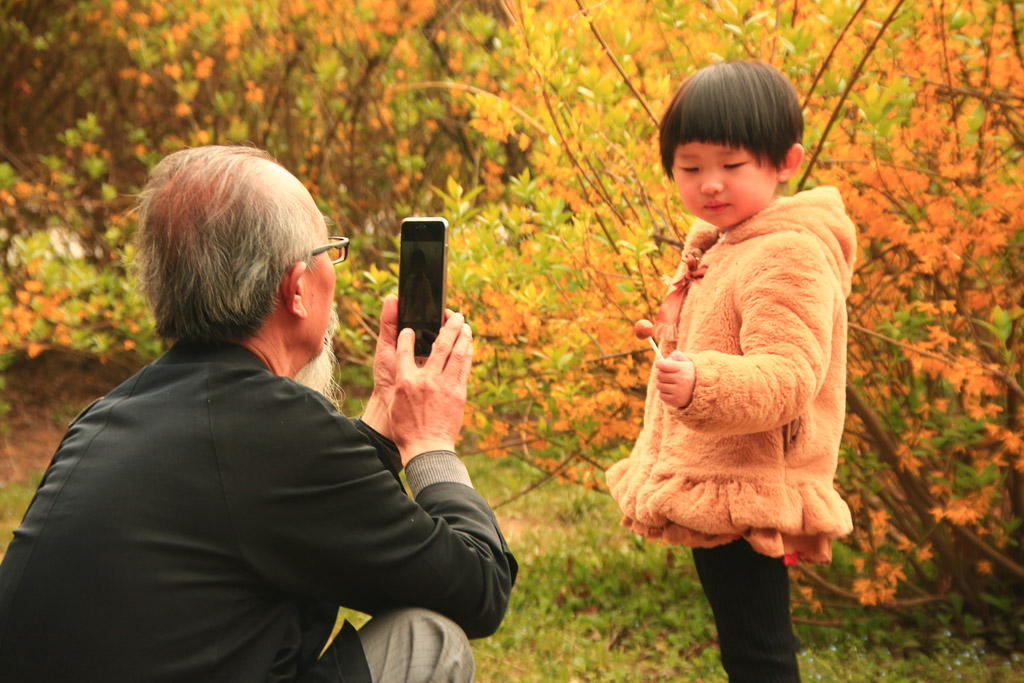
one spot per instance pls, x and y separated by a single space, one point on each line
337 249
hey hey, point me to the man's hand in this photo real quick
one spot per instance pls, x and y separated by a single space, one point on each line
378 407
426 413
675 378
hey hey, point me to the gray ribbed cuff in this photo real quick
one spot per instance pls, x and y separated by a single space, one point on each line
435 467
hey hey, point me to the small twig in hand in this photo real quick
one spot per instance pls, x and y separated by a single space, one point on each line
654 346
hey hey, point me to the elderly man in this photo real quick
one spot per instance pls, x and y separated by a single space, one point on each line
205 520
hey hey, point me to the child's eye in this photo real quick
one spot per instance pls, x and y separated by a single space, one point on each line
736 165
688 169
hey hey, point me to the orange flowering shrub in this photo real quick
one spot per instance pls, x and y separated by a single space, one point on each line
97 92
913 112
533 128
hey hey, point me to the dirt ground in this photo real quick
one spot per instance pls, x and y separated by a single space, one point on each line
45 394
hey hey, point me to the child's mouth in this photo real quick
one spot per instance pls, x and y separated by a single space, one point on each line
715 206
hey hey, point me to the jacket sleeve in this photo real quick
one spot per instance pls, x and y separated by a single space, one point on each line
317 513
386 449
787 305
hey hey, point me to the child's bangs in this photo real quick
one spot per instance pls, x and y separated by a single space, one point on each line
724 113
736 104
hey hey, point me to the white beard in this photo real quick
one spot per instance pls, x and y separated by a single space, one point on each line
318 374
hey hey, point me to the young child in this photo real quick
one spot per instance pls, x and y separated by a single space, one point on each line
744 416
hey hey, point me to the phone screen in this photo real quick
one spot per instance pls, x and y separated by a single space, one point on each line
422 278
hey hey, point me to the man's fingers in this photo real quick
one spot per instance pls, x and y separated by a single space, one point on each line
388 322
460 361
451 355
406 351
389 311
445 341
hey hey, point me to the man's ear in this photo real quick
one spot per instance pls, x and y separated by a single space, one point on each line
293 289
794 157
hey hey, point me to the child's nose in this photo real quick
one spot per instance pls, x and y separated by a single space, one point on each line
711 185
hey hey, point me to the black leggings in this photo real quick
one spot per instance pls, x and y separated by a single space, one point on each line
749 596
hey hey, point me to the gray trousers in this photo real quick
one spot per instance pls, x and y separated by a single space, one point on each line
415 644
411 645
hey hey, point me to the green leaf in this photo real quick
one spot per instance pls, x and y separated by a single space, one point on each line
7 176
95 166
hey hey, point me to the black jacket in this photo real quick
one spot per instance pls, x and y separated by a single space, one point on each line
204 521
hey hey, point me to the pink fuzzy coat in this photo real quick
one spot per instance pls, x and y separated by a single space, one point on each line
754 454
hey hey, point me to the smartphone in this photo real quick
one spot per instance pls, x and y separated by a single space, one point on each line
422 279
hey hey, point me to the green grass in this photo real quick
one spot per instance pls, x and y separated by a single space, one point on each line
595 603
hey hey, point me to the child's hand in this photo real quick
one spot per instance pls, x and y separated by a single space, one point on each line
675 377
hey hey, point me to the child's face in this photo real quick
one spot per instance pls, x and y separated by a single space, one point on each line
725 185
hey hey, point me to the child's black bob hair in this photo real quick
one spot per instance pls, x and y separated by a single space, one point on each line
747 105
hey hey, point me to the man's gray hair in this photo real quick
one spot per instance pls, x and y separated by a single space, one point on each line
215 239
